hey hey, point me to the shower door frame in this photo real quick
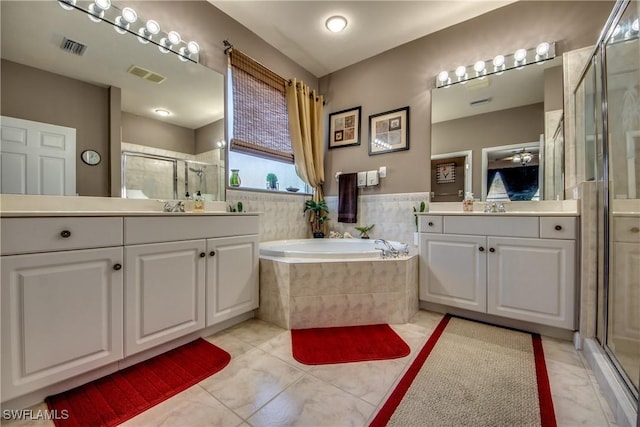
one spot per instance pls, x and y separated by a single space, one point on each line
598 60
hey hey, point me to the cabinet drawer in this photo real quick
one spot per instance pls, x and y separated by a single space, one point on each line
430 223
28 235
626 229
138 230
507 226
557 227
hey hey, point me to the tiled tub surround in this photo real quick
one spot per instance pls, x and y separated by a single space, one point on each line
297 294
281 213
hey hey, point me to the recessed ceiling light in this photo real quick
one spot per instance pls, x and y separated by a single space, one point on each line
161 112
335 24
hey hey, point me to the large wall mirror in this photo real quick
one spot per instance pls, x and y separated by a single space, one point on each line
500 137
73 86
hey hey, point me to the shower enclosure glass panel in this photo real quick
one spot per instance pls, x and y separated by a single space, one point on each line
148 177
623 151
159 177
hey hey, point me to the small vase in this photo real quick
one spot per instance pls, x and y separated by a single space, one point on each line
234 180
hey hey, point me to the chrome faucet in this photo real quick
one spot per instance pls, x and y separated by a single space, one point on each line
388 251
494 207
179 207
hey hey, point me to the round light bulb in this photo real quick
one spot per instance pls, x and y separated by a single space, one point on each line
498 61
95 13
335 24
103 4
152 27
443 76
461 71
183 54
520 55
129 15
479 66
193 47
542 49
174 37
121 26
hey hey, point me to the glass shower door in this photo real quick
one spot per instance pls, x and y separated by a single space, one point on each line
622 297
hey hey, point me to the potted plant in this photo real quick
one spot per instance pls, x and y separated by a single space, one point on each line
364 230
421 208
272 181
317 216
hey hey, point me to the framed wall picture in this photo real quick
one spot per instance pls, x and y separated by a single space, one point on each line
389 131
445 172
344 128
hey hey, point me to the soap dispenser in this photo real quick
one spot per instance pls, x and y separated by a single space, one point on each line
198 202
467 203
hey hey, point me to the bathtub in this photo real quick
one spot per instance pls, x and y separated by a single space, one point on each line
324 248
312 283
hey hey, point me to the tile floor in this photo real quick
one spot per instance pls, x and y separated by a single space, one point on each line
264 386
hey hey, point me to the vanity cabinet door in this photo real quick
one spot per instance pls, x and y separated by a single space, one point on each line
453 270
164 292
532 280
232 277
61 316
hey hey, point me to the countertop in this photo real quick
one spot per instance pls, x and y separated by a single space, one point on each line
520 213
15 205
47 213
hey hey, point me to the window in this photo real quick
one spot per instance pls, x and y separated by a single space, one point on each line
259 126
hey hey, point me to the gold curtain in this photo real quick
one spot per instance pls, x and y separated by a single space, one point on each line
304 107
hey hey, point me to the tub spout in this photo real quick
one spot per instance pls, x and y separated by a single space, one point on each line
388 251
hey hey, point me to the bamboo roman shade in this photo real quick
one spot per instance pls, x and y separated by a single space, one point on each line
260 121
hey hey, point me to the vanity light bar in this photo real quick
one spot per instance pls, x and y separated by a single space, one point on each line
126 20
499 64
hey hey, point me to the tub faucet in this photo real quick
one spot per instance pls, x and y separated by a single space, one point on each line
388 251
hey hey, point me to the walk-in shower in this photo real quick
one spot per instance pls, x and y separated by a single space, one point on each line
607 108
160 177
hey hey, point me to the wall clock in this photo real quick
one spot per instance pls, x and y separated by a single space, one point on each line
445 172
90 157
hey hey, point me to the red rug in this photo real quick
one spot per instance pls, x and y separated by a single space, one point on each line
322 346
545 402
113 399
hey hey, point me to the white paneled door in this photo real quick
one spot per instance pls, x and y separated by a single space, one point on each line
37 158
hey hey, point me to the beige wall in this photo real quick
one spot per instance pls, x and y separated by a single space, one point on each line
405 75
32 94
512 126
155 133
553 89
207 136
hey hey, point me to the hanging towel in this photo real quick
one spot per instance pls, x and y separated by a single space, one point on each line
348 197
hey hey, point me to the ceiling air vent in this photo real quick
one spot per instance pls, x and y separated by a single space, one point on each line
146 74
73 46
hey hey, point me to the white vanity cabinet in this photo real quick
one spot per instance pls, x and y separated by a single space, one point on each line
517 267
61 308
232 277
185 273
164 293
